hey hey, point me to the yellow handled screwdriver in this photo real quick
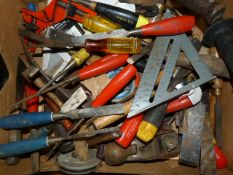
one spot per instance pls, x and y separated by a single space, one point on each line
95 24
127 19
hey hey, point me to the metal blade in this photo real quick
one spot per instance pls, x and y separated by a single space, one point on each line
113 34
47 42
145 50
57 35
53 34
95 112
93 133
82 134
191 131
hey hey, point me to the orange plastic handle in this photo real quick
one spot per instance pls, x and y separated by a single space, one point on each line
32 104
179 104
170 26
129 130
115 85
221 160
103 65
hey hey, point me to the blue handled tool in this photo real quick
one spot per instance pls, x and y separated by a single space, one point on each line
33 145
26 120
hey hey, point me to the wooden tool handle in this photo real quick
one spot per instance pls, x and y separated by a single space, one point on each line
212 111
104 121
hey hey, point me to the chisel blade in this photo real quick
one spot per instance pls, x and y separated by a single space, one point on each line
53 34
95 112
45 41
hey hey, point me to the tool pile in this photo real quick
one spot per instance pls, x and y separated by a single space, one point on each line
99 82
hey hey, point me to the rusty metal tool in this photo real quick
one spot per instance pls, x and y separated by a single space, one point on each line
26 120
167 47
163 146
103 138
208 154
28 146
191 131
56 146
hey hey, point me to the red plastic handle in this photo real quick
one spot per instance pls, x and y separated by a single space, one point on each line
115 85
52 14
170 26
221 160
179 104
129 130
32 104
103 65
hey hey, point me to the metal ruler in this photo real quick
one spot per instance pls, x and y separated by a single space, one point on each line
167 48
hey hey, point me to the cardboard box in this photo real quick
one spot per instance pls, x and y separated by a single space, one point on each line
10 47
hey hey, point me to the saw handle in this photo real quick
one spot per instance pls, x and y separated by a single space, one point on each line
26 120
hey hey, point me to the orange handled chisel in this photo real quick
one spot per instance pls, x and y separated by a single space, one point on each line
169 26
115 85
113 88
99 67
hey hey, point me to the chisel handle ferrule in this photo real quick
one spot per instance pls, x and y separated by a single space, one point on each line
26 120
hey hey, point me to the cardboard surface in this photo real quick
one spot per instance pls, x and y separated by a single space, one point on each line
10 47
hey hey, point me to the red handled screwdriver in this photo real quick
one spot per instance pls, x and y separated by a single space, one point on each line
101 66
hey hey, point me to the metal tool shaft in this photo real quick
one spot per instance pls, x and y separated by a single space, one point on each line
26 120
